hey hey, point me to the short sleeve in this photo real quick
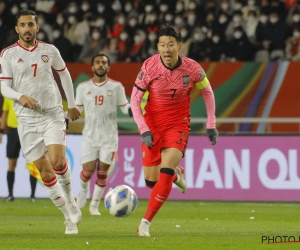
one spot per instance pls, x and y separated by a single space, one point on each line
121 96
58 63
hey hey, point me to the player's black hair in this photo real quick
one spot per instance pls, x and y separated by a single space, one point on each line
93 59
169 30
26 13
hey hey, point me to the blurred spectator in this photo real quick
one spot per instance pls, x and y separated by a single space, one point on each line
217 48
110 48
237 21
46 26
119 25
105 11
135 52
292 48
70 27
179 21
278 7
129 9
123 46
82 30
265 7
250 26
239 48
63 45
179 8
191 20
132 25
186 41
238 5
92 46
44 6
295 22
222 24
59 22
163 9
251 6
149 47
42 36
278 33
198 45
225 8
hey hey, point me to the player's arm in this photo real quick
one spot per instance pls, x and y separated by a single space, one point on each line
66 82
209 100
122 101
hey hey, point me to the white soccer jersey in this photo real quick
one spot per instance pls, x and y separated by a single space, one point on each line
100 107
31 73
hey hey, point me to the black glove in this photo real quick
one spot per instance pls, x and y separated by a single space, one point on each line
147 138
212 134
130 112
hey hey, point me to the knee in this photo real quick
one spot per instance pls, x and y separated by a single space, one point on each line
57 162
150 184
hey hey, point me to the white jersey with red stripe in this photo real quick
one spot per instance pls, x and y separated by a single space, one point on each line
31 73
100 101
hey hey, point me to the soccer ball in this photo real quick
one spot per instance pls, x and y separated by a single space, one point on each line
120 200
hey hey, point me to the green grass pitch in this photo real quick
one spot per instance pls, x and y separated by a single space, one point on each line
179 225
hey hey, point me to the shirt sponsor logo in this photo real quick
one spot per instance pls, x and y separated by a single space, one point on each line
140 75
45 58
185 79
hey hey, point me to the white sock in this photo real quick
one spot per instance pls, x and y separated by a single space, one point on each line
65 182
57 196
178 178
84 185
97 194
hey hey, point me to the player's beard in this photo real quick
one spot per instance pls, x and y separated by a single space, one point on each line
100 75
29 39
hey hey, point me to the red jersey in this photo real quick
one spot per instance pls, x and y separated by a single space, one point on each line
169 90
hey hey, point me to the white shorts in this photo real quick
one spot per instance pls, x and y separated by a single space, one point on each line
104 154
35 139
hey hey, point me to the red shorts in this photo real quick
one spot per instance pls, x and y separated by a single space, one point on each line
176 137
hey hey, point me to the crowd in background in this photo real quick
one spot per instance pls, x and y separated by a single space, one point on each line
223 30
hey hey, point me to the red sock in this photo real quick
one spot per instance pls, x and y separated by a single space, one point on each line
175 177
159 193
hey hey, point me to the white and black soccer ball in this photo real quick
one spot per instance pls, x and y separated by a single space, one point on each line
120 200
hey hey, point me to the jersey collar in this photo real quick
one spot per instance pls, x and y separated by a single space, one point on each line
31 49
179 62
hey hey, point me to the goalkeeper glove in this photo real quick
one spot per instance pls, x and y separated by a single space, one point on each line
147 139
212 134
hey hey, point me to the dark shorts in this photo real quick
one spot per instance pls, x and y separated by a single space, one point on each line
13 145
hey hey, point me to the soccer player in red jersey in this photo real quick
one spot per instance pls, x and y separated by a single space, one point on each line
165 126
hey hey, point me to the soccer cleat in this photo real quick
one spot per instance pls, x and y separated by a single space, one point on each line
181 184
32 199
74 212
81 199
94 210
9 198
143 229
71 228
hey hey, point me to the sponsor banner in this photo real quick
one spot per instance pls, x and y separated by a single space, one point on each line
238 168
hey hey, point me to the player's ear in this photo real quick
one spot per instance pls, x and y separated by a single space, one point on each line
17 29
37 28
179 46
108 68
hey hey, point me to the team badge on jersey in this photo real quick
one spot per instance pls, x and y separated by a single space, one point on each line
45 58
140 75
109 93
185 79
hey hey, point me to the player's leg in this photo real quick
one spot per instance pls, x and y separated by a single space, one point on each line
178 140
12 153
106 159
34 150
160 192
54 135
89 159
54 191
